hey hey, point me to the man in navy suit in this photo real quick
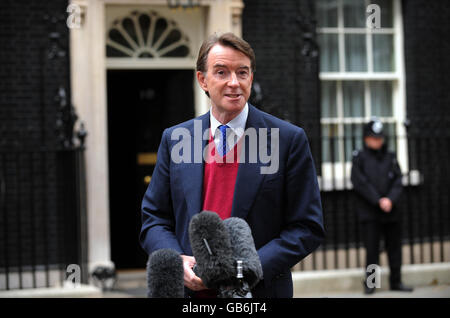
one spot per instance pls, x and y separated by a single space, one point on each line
281 204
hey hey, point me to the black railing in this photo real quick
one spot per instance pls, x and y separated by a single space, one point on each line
424 204
43 216
43 211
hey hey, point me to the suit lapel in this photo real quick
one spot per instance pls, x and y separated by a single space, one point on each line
249 177
192 173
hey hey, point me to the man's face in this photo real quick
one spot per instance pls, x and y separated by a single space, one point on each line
228 79
374 142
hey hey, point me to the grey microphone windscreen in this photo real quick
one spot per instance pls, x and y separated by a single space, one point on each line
211 246
244 249
165 274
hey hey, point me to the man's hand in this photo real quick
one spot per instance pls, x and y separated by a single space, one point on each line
385 204
191 280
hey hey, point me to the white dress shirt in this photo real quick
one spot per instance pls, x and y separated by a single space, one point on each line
234 133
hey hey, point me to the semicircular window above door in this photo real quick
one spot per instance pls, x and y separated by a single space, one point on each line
146 34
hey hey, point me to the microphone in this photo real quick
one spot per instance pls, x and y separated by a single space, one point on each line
165 274
211 246
244 250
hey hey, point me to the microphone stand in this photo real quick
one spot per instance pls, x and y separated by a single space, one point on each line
238 290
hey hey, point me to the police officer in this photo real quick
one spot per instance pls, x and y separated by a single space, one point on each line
377 181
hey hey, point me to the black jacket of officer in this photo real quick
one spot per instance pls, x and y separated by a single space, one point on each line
376 174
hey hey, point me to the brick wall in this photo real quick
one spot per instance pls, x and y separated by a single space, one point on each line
31 222
286 62
427 62
29 80
426 29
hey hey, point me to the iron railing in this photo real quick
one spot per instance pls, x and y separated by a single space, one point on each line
43 216
424 204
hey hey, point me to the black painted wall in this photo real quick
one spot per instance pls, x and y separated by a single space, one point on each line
427 65
426 28
31 222
282 33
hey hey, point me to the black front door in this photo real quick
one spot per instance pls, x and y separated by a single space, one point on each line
141 104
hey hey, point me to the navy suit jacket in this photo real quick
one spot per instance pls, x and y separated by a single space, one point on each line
283 209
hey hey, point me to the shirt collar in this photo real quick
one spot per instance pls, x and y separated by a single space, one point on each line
237 124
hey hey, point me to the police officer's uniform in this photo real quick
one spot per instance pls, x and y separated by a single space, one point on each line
376 174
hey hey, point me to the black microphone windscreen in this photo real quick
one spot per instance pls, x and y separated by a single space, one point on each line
165 274
244 249
211 246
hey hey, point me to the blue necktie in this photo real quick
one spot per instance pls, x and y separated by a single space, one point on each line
223 129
